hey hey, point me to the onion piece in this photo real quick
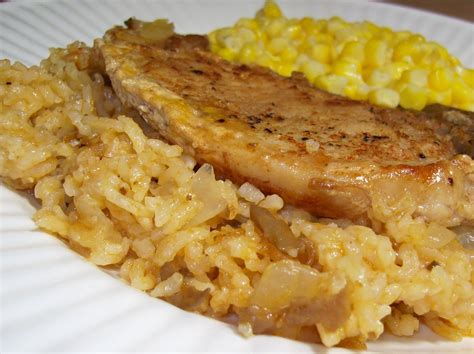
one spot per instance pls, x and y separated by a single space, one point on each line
206 189
301 295
287 281
465 235
275 229
330 311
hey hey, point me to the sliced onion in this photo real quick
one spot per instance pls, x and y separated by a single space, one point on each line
286 281
465 234
330 311
304 295
206 189
275 229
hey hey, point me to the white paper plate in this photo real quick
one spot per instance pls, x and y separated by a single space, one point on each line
51 298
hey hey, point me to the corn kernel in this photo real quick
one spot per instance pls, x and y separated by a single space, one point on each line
417 77
227 39
402 35
462 93
397 68
350 90
385 34
454 61
246 34
413 97
440 79
289 54
301 59
307 45
323 38
442 51
346 68
441 97
264 60
321 25
222 34
271 9
308 24
332 83
277 45
468 76
249 23
312 69
321 52
227 54
404 51
336 23
423 57
361 92
417 38
248 53
398 86
261 35
467 106
292 31
284 69
275 65
384 97
345 34
275 27
376 52
378 77
353 50
370 27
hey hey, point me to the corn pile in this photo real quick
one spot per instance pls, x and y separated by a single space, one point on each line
359 60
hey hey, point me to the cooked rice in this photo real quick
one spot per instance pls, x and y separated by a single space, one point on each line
121 198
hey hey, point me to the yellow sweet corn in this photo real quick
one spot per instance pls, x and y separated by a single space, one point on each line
312 69
335 24
248 53
413 97
376 52
384 97
321 52
418 77
292 31
271 10
361 92
265 60
441 97
289 54
396 69
359 60
350 69
227 53
247 23
405 51
468 76
353 50
277 45
440 79
274 27
284 69
461 92
332 83
378 77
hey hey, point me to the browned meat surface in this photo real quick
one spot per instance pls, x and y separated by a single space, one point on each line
328 154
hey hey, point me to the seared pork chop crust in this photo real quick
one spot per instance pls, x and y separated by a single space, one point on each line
325 153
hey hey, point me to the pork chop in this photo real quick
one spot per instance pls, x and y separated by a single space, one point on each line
333 156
